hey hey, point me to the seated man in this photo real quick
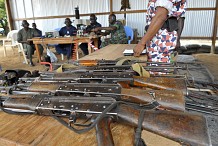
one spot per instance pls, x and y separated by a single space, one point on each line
68 30
93 24
118 35
22 37
39 35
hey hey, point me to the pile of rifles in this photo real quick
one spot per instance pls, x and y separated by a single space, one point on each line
147 95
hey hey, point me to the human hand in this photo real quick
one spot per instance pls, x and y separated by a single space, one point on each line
92 34
95 29
28 42
138 49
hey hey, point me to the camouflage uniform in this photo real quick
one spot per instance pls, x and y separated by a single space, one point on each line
118 36
163 43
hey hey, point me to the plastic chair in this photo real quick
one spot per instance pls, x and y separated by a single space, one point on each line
129 33
10 41
20 50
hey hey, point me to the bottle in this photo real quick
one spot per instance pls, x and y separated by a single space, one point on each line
77 12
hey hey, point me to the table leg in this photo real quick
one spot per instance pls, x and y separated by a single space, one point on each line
37 52
96 43
75 51
90 50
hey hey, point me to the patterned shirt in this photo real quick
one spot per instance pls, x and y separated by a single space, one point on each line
161 47
178 8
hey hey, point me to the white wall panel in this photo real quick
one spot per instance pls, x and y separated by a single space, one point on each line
197 23
20 9
28 8
13 10
137 21
39 8
134 4
201 3
64 8
98 6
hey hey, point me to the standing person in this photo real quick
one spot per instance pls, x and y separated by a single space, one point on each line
22 37
93 24
66 31
161 37
39 35
117 31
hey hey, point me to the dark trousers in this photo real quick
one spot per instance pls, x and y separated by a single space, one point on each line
84 47
65 49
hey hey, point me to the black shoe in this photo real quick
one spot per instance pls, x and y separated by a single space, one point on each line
31 64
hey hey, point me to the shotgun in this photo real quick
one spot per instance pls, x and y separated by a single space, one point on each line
185 128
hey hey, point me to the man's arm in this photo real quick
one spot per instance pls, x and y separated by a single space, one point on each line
156 23
91 28
20 38
107 30
111 28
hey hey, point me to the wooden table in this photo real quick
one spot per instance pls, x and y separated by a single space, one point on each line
65 40
23 130
111 52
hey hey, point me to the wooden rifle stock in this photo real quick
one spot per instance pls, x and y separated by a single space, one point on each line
95 62
182 127
103 132
87 63
113 62
160 83
170 100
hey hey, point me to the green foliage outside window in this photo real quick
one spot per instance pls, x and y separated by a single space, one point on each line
3 18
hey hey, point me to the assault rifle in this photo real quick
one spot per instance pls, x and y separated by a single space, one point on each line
114 62
185 128
121 68
169 99
124 79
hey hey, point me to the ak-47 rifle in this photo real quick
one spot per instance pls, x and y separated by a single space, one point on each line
118 66
50 83
125 79
121 68
169 99
182 127
114 62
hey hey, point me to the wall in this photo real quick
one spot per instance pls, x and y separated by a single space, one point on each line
198 23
